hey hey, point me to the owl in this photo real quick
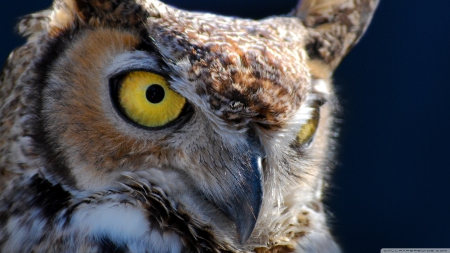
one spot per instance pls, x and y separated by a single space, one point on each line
133 126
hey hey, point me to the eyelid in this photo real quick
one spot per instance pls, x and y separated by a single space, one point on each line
134 61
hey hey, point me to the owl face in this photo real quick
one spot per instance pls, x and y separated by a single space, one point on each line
224 123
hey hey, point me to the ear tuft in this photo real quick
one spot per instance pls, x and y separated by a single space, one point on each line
33 23
60 16
66 14
63 16
334 26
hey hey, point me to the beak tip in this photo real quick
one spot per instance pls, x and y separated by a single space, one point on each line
244 232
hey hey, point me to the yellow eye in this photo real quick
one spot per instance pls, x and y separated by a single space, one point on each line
147 99
309 128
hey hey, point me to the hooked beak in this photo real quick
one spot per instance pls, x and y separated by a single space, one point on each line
246 218
244 204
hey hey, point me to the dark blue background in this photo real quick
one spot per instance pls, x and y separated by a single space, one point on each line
391 187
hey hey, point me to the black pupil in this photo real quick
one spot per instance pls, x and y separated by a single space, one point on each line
155 93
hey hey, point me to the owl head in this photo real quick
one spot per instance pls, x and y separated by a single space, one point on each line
144 126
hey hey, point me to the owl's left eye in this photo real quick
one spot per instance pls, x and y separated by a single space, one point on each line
146 99
307 131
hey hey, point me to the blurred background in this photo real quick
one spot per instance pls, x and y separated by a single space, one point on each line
392 184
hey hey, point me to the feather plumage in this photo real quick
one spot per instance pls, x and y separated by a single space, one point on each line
230 172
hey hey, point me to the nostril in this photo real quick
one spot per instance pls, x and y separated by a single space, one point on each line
251 132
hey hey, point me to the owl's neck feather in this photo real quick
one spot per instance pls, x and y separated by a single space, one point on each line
143 210
132 216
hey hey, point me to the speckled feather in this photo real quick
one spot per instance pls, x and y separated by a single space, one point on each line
229 176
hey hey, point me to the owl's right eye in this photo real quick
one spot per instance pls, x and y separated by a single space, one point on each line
146 99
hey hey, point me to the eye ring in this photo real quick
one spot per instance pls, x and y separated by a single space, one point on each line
148 97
